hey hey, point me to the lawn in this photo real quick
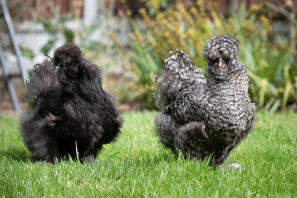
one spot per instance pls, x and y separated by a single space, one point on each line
136 165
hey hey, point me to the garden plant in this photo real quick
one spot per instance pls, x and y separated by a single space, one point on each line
270 60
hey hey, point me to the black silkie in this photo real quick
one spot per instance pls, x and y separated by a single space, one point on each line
69 113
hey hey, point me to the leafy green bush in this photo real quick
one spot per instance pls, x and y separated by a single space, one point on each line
154 5
53 27
57 25
269 60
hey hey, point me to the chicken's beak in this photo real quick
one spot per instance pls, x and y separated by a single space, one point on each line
221 63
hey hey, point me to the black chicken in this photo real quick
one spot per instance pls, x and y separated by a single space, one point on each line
69 114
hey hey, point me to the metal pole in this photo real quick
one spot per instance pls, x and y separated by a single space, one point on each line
90 12
13 38
9 83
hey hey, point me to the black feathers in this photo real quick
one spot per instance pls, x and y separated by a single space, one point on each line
68 112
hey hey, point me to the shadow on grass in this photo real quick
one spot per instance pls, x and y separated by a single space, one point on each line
15 155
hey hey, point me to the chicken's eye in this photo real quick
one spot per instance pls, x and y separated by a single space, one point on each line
213 56
215 60
225 56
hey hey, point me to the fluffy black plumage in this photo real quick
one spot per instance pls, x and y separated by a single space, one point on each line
69 113
205 117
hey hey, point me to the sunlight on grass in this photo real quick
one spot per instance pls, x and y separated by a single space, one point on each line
136 165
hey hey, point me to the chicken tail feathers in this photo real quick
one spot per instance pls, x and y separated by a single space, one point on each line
40 79
179 73
181 65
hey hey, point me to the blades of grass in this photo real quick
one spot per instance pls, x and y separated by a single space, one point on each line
261 97
152 63
269 104
247 53
76 150
275 106
263 83
142 67
288 87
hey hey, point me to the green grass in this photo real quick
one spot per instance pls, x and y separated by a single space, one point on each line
136 165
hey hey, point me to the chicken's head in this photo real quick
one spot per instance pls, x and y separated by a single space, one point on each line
67 60
220 53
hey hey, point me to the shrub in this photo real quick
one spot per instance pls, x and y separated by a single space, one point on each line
269 60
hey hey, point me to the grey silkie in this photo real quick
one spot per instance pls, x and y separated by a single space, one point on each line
205 117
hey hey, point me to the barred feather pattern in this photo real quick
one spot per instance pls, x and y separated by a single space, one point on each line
179 73
206 118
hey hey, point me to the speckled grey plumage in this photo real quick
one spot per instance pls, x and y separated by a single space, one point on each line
205 117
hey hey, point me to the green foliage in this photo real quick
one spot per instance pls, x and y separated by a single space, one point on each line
48 46
68 34
154 5
136 165
53 26
28 53
269 60
57 25
85 44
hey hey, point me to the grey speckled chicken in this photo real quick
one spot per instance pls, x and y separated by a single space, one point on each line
205 117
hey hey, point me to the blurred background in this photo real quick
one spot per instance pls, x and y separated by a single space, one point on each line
129 40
